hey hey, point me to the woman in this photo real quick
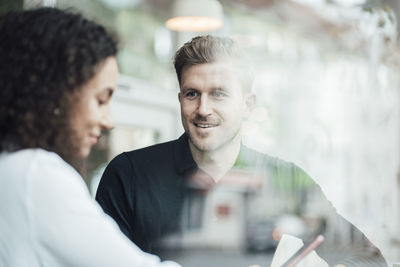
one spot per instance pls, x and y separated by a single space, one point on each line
57 75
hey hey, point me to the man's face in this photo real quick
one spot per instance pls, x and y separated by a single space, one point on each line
213 104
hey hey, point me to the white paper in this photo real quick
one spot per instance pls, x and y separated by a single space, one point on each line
289 245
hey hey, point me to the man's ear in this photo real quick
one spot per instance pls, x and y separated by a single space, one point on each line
250 102
179 97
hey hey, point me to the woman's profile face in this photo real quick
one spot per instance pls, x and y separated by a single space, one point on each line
92 113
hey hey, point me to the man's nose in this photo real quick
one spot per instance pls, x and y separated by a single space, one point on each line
204 108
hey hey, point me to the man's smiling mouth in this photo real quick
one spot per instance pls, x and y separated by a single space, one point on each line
204 125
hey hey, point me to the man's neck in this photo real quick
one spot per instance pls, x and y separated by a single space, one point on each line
218 162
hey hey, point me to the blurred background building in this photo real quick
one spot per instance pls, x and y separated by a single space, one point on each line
327 81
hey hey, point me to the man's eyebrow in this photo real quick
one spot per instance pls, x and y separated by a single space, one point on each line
184 89
220 88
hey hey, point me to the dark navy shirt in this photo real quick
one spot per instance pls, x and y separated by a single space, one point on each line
158 192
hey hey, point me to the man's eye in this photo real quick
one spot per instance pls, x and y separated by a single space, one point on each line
191 94
219 94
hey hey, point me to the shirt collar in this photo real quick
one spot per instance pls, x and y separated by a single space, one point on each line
245 158
183 156
184 160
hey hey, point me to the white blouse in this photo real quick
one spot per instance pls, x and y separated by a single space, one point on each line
49 219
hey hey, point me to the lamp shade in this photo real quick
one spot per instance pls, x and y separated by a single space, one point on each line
196 16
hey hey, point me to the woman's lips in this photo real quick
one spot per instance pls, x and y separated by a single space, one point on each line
94 139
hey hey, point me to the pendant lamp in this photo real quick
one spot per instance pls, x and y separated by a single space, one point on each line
196 16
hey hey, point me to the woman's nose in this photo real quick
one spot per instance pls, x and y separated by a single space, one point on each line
107 121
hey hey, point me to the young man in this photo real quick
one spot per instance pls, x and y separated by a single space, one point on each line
207 190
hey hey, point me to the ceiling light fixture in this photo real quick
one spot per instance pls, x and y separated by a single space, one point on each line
196 16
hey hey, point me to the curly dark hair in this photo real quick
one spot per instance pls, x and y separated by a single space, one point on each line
46 56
